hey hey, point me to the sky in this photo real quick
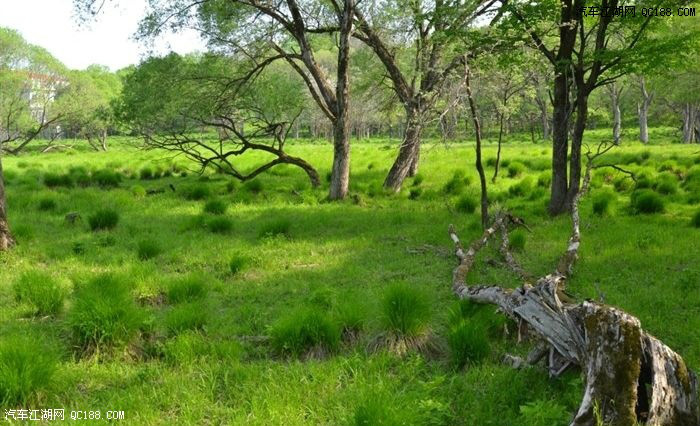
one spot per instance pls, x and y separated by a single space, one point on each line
106 41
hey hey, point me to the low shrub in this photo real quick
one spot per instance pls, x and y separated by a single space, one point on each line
26 367
278 227
107 178
303 331
187 316
187 289
215 206
220 225
405 310
41 291
103 220
148 249
46 204
515 169
646 201
138 191
104 313
466 204
517 240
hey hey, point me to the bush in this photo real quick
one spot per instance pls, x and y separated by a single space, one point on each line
138 191
188 316
515 169
521 188
276 228
187 289
103 219
26 367
146 173
41 291
468 342
466 204
104 313
148 249
107 178
255 186
405 310
695 221
53 180
602 203
646 201
46 204
237 263
215 207
220 225
414 193
304 330
517 240
197 192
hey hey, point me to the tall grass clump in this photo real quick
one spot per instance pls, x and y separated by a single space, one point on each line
148 249
220 225
467 340
277 227
517 240
375 412
466 204
187 316
103 220
255 186
54 180
405 310
237 263
187 289
515 169
215 206
26 367
41 291
456 184
646 201
666 184
305 332
107 178
146 173
104 313
197 192
46 204
695 221
602 203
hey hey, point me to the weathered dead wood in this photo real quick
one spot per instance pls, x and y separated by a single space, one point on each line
630 376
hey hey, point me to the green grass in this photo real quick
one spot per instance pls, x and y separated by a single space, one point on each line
148 249
27 366
104 219
305 331
339 262
405 310
187 289
41 291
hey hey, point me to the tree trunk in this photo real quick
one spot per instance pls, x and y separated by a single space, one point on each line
477 135
617 117
560 145
6 239
498 152
340 173
689 119
576 142
415 162
103 140
643 112
407 151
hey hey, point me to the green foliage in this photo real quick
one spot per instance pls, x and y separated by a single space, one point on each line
47 204
187 289
54 180
351 315
197 192
148 249
375 412
515 169
186 316
275 228
646 201
466 204
41 291
304 330
405 310
622 184
104 313
695 221
215 206
541 412
602 203
468 342
237 263
517 240
103 220
27 366
220 225
107 178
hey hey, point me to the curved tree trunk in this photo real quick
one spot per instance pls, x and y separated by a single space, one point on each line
620 361
560 145
416 160
407 151
6 239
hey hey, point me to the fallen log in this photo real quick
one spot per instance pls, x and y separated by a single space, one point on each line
630 376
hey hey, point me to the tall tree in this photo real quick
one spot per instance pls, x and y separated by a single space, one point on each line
588 46
419 44
646 96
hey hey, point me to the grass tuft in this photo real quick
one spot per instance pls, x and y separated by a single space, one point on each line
275 228
305 332
41 291
405 310
104 219
187 289
646 201
220 225
216 206
26 367
187 316
148 249
466 204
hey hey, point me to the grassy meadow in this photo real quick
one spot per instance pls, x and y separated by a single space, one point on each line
182 298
